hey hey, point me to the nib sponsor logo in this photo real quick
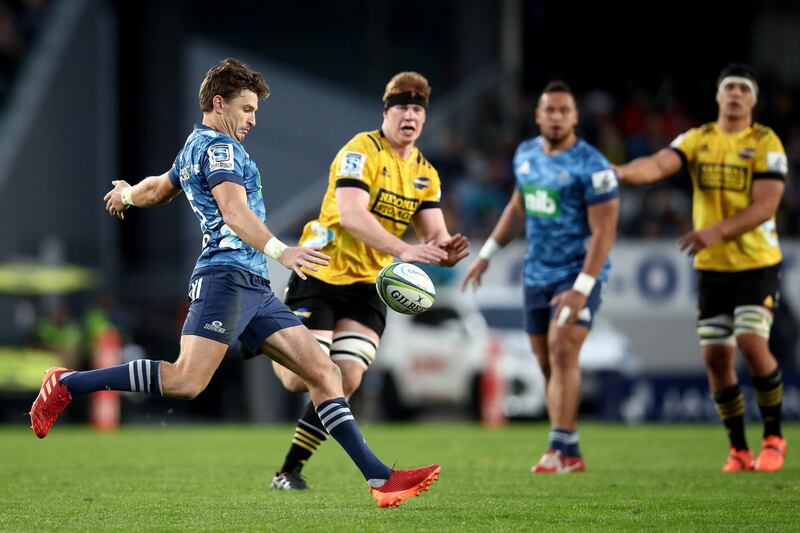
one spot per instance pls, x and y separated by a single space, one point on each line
541 202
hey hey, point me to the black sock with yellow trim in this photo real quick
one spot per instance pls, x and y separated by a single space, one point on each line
730 406
308 436
769 395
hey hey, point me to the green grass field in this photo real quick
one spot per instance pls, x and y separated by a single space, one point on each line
216 478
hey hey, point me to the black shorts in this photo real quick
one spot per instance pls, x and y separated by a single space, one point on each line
320 305
719 293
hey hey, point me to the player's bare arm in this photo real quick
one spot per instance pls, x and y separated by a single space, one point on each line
603 224
150 192
232 201
431 228
649 169
766 197
509 226
353 203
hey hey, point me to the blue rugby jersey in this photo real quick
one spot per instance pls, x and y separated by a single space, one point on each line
207 159
557 190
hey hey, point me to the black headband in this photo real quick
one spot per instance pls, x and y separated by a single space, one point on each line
404 99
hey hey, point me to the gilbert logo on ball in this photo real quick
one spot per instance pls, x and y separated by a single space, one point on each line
405 288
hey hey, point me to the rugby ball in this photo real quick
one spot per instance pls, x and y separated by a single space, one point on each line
405 288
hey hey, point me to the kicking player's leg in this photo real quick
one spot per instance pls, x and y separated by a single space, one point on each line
186 378
296 349
292 345
223 301
353 349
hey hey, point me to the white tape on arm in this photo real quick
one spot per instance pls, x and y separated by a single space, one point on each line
584 283
126 195
489 248
274 248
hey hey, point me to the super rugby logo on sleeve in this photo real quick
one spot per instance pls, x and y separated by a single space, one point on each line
604 181
776 162
220 157
353 165
541 201
394 207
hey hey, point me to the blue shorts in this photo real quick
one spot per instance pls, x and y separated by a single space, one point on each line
539 312
228 303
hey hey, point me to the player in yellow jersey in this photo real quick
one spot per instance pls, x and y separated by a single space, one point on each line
379 183
738 169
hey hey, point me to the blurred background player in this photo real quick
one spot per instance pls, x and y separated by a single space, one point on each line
229 288
738 169
566 192
378 184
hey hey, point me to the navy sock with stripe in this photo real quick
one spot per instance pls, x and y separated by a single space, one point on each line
564 441
339 421
142 375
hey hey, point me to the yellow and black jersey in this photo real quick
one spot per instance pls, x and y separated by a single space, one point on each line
723 167
397 190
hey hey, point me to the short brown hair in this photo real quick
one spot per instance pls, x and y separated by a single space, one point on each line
229 78
411 83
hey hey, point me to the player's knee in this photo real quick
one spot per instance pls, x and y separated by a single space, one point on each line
355 347
753 346
751 320
716 331
562 355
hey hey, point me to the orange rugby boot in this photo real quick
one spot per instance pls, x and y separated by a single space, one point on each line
405 484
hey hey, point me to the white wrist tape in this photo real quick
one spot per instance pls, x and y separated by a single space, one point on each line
274 248
127 197
584 283
489 248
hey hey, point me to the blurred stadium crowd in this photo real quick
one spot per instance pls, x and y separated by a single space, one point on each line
476 164
20 21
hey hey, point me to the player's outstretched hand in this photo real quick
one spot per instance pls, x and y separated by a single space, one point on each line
694 241
474 274
569 303
423 253
457 248
113 199
295 258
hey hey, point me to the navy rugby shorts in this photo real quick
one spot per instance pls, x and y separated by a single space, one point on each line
228 303
538 312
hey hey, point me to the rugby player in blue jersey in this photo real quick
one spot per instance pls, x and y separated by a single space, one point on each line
566 192
229 289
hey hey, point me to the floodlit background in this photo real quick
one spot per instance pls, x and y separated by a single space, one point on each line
94 90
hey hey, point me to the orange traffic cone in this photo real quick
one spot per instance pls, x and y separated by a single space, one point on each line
104 407
492 387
